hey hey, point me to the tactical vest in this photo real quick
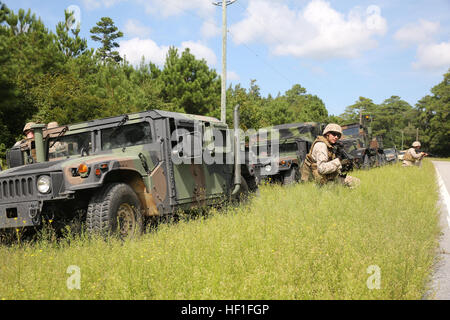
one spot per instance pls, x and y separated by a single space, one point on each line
408 156
309 168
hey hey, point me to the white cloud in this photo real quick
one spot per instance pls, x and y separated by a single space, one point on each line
430 55
137 48
168 8
95 4
317 31
232 76
210 29
135 28
200 51
417 33
433 57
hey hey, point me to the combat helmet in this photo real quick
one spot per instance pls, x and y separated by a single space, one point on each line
332 127
28 126
52 124
416 144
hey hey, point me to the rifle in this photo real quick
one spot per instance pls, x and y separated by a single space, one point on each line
347 160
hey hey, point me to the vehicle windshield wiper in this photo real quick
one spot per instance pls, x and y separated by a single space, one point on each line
121 123
63 131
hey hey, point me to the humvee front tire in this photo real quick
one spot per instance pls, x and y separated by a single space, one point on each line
115 209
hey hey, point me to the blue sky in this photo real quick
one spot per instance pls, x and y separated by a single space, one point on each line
337 50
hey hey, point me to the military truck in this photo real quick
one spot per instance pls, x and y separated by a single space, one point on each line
120 170
366 150
276 153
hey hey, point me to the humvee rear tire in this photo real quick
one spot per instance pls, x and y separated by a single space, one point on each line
115 209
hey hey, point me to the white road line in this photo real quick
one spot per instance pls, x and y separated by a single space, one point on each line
444 194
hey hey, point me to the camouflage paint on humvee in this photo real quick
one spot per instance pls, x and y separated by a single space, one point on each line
122 169
366 150
277 152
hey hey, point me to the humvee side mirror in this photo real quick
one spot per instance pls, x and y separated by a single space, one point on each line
14 158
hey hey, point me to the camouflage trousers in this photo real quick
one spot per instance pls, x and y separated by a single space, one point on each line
417 163
349 181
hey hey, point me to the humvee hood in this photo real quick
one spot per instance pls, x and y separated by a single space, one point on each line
33 168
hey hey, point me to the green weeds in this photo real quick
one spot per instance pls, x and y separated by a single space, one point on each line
295 242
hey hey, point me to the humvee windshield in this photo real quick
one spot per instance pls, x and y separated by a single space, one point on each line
351 131
126 136
275 149
349 145
69 145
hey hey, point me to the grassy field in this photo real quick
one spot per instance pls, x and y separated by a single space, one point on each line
296 242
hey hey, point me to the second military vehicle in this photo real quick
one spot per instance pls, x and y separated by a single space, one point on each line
366 150
276 153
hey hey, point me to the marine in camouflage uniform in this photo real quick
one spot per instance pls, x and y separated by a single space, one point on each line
321 163
412 157
28 132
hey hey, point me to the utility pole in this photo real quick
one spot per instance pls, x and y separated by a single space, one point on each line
417 134
402 141
223 96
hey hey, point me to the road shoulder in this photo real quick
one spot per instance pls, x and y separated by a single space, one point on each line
440 283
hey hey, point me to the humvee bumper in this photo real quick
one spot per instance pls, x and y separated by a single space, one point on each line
19 214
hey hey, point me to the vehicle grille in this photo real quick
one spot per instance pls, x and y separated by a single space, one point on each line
17 188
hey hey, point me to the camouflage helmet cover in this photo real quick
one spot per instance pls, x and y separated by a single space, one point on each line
52 124
332 127
416 144
28 126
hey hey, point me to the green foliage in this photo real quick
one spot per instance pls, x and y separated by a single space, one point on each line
433 118
362 106
27 52
304 107
391 118
189 85
314 244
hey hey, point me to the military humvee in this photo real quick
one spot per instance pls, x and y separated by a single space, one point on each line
277 152
122 169
366 150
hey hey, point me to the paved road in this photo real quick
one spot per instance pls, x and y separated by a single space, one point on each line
441 277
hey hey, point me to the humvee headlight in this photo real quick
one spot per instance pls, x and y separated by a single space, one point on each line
268 168
44 184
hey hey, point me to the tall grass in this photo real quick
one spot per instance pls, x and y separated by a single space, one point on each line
295 242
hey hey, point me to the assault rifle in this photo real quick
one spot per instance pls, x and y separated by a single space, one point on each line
347 160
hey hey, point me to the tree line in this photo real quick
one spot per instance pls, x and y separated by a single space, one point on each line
54 76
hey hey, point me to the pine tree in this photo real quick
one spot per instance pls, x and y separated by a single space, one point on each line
189 85
106 33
